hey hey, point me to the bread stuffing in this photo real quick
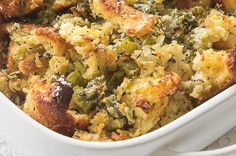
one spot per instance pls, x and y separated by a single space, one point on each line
112 70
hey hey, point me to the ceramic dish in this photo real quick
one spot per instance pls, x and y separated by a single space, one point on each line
22 136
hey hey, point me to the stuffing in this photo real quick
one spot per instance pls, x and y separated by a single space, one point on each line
132 2
111 70
28 65
179 104
59 5
170 56
43 42
2 45
150 97
228 5
75 31
48 104
59 65
187 4
17 8
131 21
90 43
2 61
217 31
207 80
86 136
4 85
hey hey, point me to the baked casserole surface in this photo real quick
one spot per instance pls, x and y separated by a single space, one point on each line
110 70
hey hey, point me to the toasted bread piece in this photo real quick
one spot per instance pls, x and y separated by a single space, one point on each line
150 97
228 5
131 21
17 8
33 34
48 103
28 65
214 72
26 39
90 42
217 31
63 4
85 39
230 43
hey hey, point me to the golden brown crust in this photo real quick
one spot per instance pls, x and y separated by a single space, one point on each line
225 45
59 45
229 76
28 65
10 8
231 60
169 85
59 5
48 104
133 22
43 107
228 5
165 87
16 8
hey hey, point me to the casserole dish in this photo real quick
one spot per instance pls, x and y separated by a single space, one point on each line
22 136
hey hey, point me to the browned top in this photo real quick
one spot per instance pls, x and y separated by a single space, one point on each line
13 8
133 22
48 104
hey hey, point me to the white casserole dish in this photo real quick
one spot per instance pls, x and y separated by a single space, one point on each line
22 136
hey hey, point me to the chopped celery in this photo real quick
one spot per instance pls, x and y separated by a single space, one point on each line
78 103
80 67
130 68
116 79
128 45
76 79
114 112
149 41
129 113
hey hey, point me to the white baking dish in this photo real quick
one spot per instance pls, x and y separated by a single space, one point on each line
22 136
